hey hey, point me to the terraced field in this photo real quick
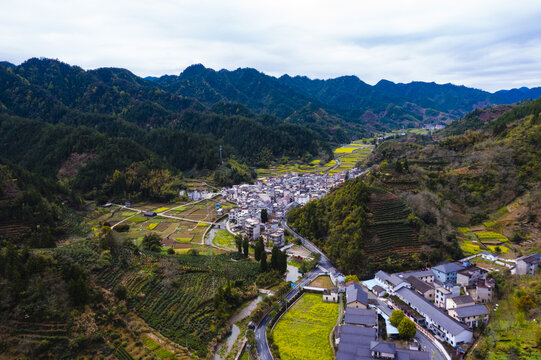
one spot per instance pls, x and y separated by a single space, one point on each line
183 311
389 228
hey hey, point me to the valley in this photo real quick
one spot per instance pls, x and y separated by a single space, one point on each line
178 217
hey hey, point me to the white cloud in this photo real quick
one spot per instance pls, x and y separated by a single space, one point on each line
486 44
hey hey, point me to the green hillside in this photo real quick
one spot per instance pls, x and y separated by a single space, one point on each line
361 229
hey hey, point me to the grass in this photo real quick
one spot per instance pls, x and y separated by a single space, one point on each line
304 332
224 239
156 348
138 219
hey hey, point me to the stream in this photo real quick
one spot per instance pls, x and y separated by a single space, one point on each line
235 331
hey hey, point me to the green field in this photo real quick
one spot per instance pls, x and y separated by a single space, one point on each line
224 239
304 332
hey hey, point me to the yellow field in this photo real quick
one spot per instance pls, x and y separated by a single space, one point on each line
304 332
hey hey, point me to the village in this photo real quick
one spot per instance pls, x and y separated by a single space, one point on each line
274 197
448 303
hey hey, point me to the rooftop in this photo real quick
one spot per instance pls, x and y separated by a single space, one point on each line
419 284
472 310
463 299
366 317
355 292
448 267
429 310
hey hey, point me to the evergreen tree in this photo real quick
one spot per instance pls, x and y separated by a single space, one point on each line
282 263
238 241
152 242
259 249
264 216
275 255
77 291
263 264
246 245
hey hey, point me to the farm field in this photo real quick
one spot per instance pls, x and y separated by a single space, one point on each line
389 227
322 281
304 332
224 239
181 235
473 243
183 311
349 155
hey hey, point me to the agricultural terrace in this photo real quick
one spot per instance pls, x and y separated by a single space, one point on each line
181 226
349 155
475 242
388 226
179 307
303 333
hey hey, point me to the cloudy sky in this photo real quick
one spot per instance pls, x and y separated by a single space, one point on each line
487 44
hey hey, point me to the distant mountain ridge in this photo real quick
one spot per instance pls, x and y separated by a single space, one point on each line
347 98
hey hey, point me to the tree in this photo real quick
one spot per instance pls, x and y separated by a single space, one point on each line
275 254
263 264
264 216
238 241
246 245
352 278
525 303
77 291
407 328
259 249
152 242
396 317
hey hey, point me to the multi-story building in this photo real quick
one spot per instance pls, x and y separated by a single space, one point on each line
447 272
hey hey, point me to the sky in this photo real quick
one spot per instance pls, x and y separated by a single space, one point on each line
489 45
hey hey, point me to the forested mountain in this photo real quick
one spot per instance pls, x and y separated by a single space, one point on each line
343 100
54 116
483 170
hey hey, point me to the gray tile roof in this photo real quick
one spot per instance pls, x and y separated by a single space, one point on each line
425 308
392 279
419 284
448 267
417 274
385 347
366 317
530 259
472 310
402 354
355 292
463 299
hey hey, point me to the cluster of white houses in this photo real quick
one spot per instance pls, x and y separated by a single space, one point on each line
277 196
